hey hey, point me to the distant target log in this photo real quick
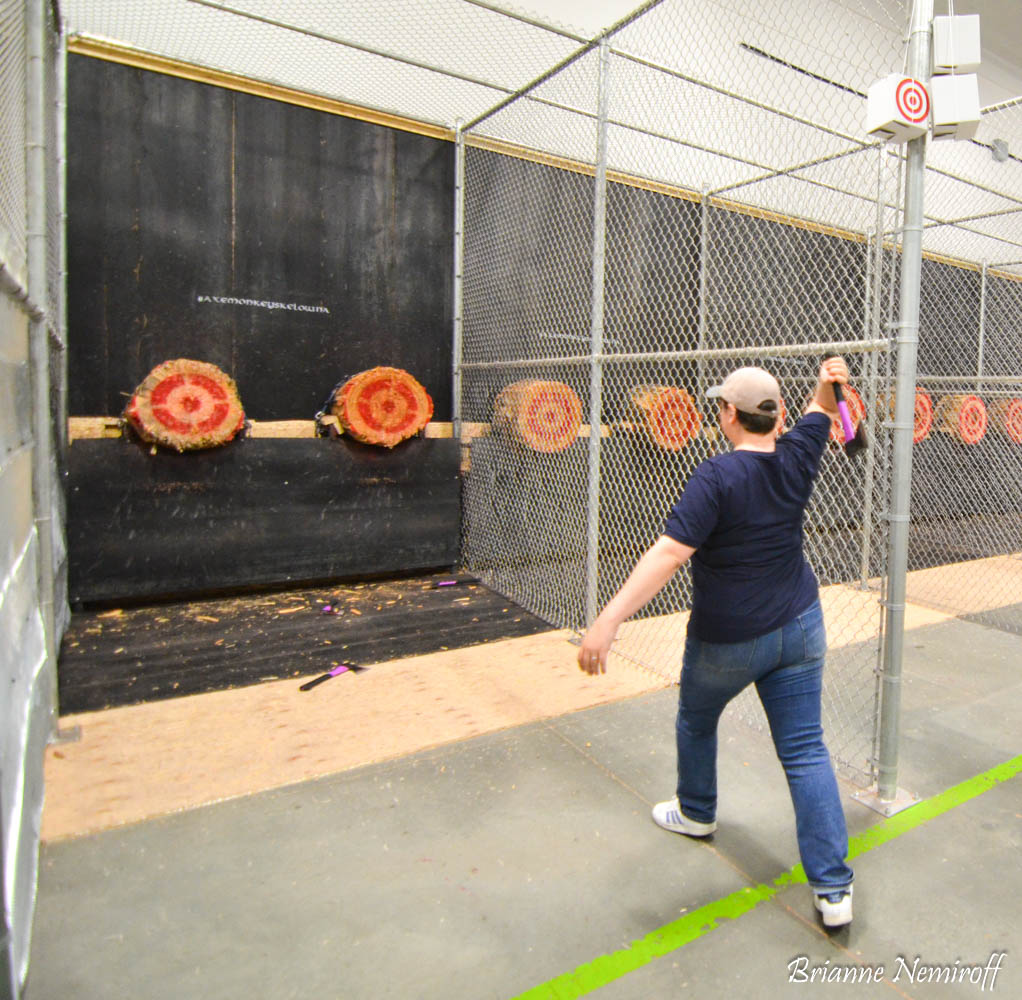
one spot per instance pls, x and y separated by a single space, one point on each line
668 415
922 420
186 405
1006 417
963 417
544 416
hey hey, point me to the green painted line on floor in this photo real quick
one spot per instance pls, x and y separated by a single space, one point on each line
605 969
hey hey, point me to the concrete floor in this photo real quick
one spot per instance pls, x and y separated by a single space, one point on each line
525 860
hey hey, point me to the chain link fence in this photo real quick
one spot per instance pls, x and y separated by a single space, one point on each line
639 216
13 63
33 605
965 549
724 215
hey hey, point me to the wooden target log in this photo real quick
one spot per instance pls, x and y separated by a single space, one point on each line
1006 417
922 420
544 416
963 417
856 410
186 405
668 415
382 406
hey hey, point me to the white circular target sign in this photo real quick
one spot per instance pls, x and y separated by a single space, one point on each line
912 100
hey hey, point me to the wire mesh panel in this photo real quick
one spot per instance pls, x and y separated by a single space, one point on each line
965 549
13 62
644 208
735 217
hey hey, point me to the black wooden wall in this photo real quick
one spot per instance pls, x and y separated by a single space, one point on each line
180 191
292 248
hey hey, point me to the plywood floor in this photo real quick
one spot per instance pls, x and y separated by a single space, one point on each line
137 762
140 761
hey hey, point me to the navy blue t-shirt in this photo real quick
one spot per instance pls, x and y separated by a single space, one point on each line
742 513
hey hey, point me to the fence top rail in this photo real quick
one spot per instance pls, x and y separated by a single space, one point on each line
696 354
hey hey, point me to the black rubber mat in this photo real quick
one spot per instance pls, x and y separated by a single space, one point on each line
123 656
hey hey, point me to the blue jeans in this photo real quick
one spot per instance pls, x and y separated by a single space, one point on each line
787 668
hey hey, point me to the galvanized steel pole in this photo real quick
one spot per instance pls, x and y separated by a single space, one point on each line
596 344
43 467
981 346
918 66
459 277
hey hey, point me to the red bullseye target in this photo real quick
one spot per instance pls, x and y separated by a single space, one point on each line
923 417
545 416
382 406
185 405
912 100
963 417
669 417
1006 417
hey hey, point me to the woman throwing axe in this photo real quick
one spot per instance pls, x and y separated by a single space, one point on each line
755 617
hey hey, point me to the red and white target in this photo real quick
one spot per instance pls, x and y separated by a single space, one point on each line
963 417
856 410
912 100
186 405
1006 416
670 417
922 417
545 416
382 406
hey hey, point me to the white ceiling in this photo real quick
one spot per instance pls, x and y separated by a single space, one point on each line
743 98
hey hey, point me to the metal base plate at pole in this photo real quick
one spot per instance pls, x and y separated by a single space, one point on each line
887 807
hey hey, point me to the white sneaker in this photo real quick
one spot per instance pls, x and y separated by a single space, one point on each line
835 907
670 817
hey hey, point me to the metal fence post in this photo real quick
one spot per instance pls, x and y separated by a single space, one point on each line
982 325
596 343
458 285
39 353
704 277
918 66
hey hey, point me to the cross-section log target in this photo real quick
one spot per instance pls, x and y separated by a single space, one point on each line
963 417
186 405
1006 417
922 420
544 416
668 415
382 406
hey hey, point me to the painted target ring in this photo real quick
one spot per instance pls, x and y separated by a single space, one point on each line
545 416
186 405
912 100
972 420
963 417
382 406
1006 416
856 410
923 417
671 418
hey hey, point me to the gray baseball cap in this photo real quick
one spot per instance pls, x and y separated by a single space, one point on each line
751 390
